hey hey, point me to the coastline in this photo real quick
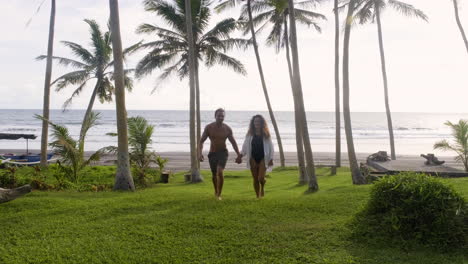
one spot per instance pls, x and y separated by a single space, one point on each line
180 161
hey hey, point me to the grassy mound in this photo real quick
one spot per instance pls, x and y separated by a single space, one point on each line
415 208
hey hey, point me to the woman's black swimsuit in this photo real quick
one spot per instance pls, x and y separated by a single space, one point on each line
257 149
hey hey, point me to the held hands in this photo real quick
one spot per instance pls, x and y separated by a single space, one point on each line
239 159
200 157
270 163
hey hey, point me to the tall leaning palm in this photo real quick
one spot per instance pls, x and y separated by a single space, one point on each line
48 76
337 86
170 51
297 86
95 64
370 11
277 13
123 177
194 97
231 3
356 174
460 27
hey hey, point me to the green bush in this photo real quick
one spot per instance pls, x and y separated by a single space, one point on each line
414 208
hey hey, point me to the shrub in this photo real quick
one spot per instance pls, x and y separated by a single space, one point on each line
71 151
414 208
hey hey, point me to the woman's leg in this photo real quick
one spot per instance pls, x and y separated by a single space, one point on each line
261 177
254 169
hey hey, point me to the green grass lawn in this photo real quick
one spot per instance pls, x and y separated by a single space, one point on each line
183 223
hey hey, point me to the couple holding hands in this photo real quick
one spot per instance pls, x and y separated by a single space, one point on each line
257 148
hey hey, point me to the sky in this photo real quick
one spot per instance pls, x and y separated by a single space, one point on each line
427 63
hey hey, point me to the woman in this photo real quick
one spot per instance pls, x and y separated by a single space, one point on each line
258 148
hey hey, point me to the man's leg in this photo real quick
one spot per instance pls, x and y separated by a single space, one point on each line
215 184
213 166
261 177
220 180
254 171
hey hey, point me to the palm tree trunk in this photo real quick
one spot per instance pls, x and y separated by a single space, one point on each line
384 75
355 172
123 177
313 185
265 91
337 87
299 142
48 76
197 91
195 172
460 27
87 114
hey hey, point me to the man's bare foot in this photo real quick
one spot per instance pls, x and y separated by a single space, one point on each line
219 198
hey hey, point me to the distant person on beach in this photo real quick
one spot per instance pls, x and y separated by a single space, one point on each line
259 150
218 132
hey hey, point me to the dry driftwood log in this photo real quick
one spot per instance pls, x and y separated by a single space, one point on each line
379 156
7 195
431 159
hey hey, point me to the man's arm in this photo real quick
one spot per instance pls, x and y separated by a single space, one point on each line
200 144
233 142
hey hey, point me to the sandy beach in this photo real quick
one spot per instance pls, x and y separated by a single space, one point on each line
180 161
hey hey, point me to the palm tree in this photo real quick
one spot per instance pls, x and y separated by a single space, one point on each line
370 10
48 75
356 174
337 86
171 51
123 177
96 64
460 146
313 185
277 13
194 96
230 3
460 27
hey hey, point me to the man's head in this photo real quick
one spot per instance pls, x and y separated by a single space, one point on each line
219 115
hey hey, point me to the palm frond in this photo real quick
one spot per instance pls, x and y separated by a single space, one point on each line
90 121
226 4
62 143
153 60
275 36
366 13
75 93
173 17
407 9
215 57
101 47
65 61
152 29
71 78
222 29
80 52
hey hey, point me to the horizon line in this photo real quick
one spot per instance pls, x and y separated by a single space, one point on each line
250 110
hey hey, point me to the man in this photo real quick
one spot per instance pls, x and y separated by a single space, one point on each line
218 132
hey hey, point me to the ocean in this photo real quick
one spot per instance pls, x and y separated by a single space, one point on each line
415 133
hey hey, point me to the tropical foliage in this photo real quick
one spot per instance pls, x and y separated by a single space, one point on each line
170 51
460 141
275 13
94 64
71 153
140 151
